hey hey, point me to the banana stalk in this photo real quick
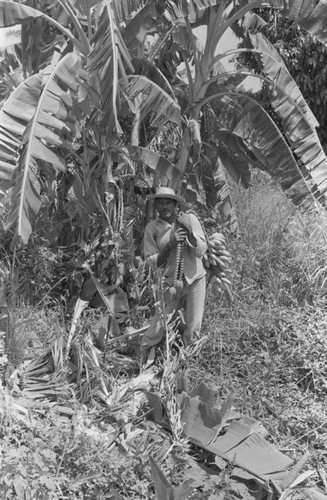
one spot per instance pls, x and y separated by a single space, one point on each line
179 269
217 259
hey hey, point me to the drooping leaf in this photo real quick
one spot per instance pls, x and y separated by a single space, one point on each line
107 63
156 103
194 10
14 117
247 125
39 44
12 13
310 16
234 158
141 23
45 107
299 123
153 73
162 168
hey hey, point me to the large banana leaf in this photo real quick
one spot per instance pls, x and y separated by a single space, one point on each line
312 17
234 155
156 103
161 167
12 13
142 22
15 115
153 73
298 122
275 68
46 109
108 62
207 185
246 130
309 15
194 10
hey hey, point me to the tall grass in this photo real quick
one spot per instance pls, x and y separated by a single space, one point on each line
281 254
268 349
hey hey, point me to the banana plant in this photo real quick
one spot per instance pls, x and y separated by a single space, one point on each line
219 116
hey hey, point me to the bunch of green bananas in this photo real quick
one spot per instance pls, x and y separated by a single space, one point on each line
217 259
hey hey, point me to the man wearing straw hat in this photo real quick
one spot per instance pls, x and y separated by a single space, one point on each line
176 237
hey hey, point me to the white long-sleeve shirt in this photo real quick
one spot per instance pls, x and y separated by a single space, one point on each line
157 235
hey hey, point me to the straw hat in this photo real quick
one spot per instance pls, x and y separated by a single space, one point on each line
166 192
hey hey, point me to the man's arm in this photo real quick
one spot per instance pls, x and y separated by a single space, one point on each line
150 247
195 235
154 256
163 255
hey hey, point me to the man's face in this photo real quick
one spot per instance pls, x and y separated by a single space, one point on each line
166 208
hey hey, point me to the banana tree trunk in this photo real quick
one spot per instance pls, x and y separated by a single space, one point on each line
182 156
4 334
225 205
191 137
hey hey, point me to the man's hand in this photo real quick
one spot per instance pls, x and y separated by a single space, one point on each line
177 236
184 221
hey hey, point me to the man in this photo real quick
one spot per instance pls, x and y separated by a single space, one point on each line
161 239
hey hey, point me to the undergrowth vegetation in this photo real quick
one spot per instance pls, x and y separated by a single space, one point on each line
267 350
